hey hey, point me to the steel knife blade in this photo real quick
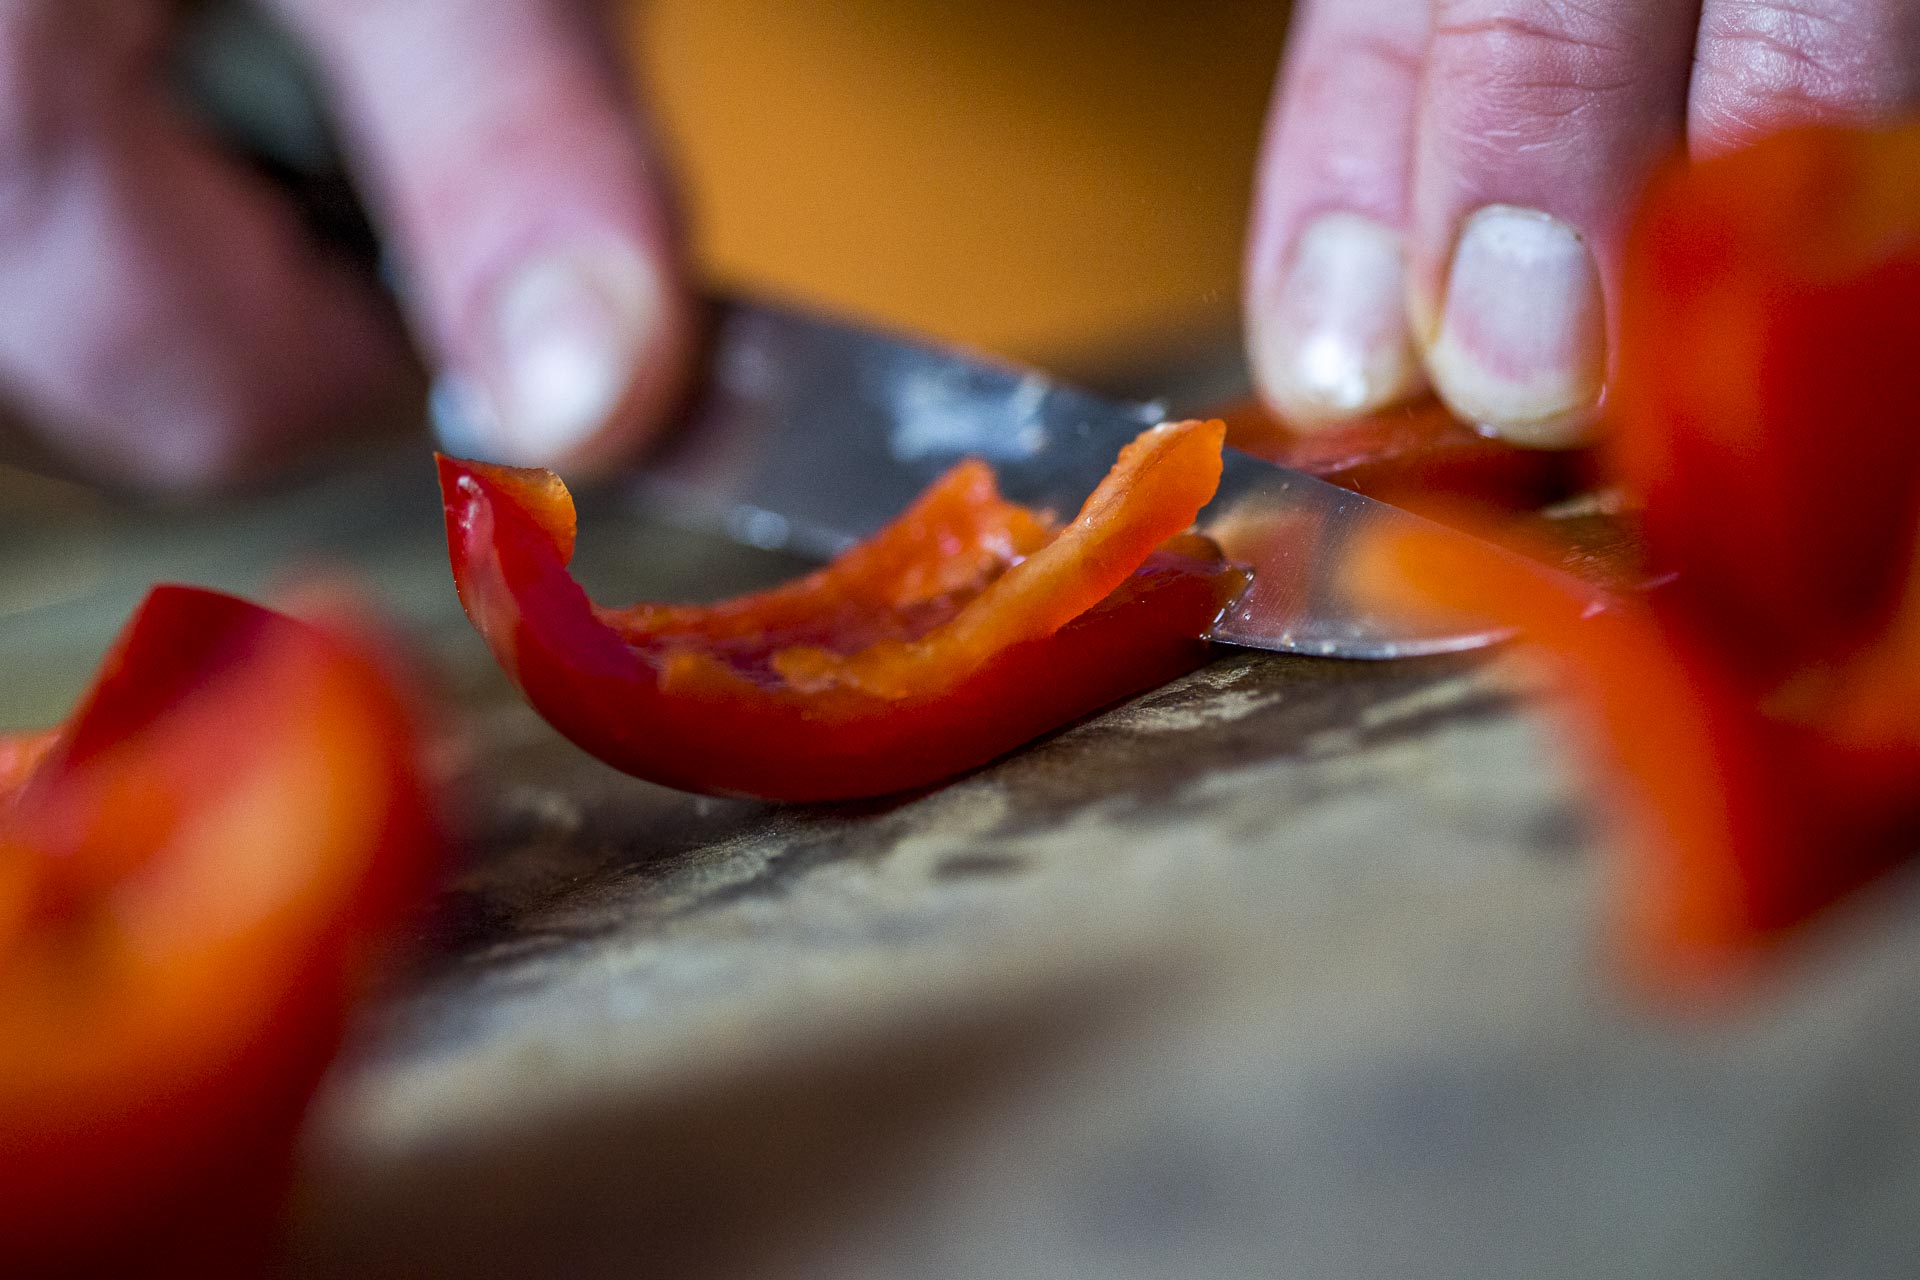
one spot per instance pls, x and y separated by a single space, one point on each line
809 432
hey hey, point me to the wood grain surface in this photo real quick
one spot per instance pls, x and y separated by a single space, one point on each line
1291 968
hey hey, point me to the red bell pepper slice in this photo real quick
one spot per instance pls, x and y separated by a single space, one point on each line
964 629
1760 715
194 874
19 754
1766 402
1412 456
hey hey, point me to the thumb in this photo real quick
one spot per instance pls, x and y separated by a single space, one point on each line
527 202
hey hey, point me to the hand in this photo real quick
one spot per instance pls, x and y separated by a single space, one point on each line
170 322
1446 183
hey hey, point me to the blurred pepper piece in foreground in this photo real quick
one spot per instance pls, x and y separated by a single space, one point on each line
195 872
964 629
1761 711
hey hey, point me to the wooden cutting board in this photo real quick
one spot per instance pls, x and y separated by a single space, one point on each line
1290 968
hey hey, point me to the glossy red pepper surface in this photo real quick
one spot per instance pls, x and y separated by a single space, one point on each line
966 628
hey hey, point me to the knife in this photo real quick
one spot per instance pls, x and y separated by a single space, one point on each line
809 433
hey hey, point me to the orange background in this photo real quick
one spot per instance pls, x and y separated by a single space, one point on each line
1056 180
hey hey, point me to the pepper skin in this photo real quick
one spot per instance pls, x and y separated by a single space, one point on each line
966 628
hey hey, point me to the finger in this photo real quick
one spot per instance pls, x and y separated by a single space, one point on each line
529 209
169 321
1539 122
1764 65
1326 283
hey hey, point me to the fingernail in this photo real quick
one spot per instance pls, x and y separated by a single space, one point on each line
570 331
1334 342
1522 348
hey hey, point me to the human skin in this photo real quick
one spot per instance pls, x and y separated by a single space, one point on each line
172 326
1445 186
1441 201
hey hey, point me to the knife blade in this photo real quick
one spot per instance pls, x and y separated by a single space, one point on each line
810 432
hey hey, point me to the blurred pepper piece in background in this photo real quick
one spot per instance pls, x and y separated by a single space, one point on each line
1761 710
196 873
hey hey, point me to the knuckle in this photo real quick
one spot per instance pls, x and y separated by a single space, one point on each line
198 450
1357 64
127 409
61 65
1371 55
1766 64
36 128
1514 72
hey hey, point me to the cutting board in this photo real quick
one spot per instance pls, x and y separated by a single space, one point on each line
1289 968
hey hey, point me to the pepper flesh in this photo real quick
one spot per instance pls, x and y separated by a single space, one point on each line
194 873
964 629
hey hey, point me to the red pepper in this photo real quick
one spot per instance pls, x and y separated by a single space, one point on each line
1761 713
1413 455
195 872
1767 398
964 629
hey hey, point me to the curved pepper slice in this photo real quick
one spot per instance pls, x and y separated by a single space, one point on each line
194 872
965 628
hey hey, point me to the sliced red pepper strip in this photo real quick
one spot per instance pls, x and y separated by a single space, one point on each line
962 630
1412 455
193 876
